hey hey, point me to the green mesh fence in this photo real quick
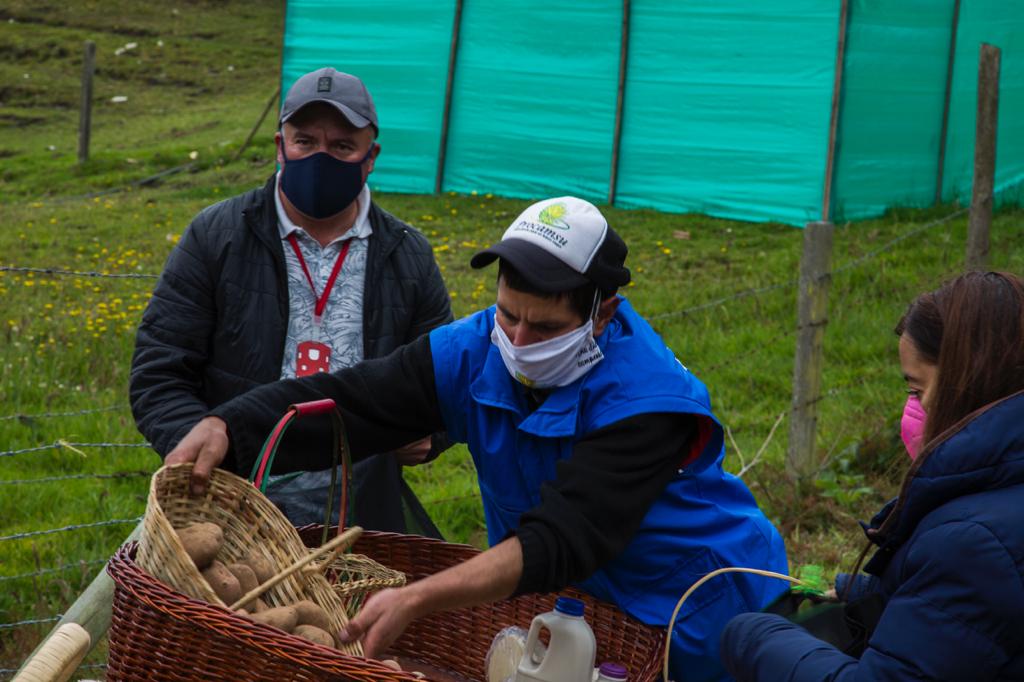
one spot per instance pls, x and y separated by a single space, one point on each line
533 110
400 50
726 106
894 84
999 23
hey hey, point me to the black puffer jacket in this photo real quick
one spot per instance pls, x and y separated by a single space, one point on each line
216 324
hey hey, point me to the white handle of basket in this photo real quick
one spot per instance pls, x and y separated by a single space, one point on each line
346 539
58 659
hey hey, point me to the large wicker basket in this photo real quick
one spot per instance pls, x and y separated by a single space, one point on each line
161 635
458 640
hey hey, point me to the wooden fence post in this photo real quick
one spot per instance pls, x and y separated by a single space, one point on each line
815 277
812 301
85 106
984 158
252 133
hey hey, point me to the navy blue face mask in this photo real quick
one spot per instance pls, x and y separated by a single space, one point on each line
320 185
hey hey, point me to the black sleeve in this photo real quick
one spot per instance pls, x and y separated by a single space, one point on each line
385 403
433 306
600 495
171 345
433 309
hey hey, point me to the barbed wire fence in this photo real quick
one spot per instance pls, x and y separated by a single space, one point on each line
80 565
66 413
60 272
84 666
75 447
778 343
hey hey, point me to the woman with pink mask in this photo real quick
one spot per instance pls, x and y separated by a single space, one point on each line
946 582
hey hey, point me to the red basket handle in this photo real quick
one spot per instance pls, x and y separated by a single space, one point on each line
341 454
314 407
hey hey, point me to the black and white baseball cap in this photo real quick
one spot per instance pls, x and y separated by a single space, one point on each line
343 91
561 244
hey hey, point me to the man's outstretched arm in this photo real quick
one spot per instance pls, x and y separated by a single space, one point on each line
490 576
385 403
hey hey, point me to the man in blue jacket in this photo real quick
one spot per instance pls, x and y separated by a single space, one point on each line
599 459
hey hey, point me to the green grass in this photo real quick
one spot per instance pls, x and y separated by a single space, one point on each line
66 342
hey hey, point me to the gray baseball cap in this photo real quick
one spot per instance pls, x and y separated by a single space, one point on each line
342 90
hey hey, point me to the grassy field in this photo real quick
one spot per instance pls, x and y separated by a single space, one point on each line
194 90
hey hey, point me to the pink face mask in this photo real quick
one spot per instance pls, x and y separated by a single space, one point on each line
912 425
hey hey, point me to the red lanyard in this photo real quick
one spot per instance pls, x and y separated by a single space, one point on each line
321 302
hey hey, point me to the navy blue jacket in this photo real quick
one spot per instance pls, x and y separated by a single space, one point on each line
950 567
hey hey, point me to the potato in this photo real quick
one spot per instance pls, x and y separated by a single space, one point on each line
392 663
202 541
260 606
224 584
246 580
283 617
261 566
246 576
311 613
241 612
314 634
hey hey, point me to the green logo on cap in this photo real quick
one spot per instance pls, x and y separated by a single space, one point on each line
552 215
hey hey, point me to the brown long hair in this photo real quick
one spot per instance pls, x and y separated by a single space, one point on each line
972 329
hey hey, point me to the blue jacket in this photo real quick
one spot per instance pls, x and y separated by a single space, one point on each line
950 567
705 519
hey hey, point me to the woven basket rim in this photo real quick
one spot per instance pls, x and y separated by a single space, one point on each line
385 535
432 554
155 521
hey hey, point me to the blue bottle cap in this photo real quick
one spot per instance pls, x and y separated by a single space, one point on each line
569 606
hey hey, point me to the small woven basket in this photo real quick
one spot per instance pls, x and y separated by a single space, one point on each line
355 576
251 523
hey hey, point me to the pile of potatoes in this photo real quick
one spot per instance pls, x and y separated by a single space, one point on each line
232 581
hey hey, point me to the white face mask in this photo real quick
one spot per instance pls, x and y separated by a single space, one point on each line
555 362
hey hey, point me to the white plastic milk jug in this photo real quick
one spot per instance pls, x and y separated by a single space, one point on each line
571 651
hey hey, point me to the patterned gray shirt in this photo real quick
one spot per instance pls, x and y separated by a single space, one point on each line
342 325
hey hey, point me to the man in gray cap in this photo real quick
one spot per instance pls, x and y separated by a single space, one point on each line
302 276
